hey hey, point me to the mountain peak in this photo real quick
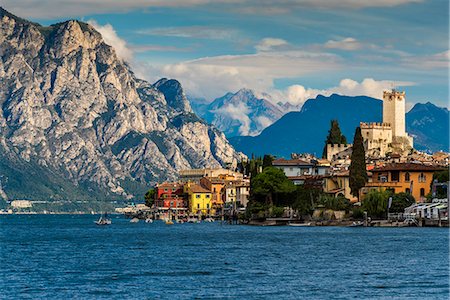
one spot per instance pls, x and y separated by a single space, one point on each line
72 107
174 94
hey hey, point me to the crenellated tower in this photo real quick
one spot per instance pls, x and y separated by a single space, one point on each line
394 112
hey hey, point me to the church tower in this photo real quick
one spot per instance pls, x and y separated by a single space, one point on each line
394 112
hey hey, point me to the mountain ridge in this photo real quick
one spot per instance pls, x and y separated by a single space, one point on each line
71 106
291 134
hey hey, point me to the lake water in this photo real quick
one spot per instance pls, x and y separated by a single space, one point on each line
67 256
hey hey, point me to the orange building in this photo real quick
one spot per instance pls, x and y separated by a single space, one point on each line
215 185
403 177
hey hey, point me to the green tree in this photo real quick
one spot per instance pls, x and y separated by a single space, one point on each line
334 136
358 173
440 176
271 187
401 201
150 197
303 199
375 203
267 161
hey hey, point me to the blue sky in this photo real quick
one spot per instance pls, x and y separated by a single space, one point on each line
291 49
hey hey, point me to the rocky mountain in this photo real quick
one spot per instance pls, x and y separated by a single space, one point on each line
429 125
75 122
240 113
305 131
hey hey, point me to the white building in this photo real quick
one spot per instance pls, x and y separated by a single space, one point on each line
390 135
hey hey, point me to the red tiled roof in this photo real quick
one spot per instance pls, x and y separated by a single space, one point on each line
290 162
195 188
407 167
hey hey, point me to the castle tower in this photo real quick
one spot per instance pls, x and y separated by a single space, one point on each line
394 112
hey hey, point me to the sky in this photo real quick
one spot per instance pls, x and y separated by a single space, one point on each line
290 49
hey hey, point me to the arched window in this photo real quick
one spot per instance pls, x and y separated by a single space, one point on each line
407 190
422 192
422 177
407 177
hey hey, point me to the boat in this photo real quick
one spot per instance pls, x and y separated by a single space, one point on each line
103 220
300 224
148 220
209 220
169 222
357 224
134 220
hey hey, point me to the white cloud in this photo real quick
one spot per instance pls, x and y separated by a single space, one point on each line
298 94
111 38
435 61
268 44
349 44
210 77
240 113
201 32
73 8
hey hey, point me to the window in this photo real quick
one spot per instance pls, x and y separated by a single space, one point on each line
171 203
208 196
422 177
407 177
207 205
395 176
197 196
408 191
422 192
165 190
198 205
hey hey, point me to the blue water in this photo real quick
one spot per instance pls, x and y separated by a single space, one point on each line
64 256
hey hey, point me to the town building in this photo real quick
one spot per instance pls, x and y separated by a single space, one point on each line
215 185
339 151
194 175
338 185
170 196
242 193
411 178
390 135
199 198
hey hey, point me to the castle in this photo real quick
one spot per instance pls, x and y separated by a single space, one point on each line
389 136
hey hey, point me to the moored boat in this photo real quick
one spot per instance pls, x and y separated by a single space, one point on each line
300 224
103 220
357 224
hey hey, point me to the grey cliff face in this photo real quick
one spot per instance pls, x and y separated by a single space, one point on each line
70 104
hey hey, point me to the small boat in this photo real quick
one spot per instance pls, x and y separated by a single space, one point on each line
357 224
169 222
103 220
209 220
300 224
148 220
134 220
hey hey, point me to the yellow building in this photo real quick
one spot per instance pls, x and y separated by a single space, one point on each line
200 199
338 185
410 178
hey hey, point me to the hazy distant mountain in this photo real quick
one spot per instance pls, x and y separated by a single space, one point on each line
240 113
429 125
305 131
77 123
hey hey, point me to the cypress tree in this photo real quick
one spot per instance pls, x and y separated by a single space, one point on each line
358 173
334 136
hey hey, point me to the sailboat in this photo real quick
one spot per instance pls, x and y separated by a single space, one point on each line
103 220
